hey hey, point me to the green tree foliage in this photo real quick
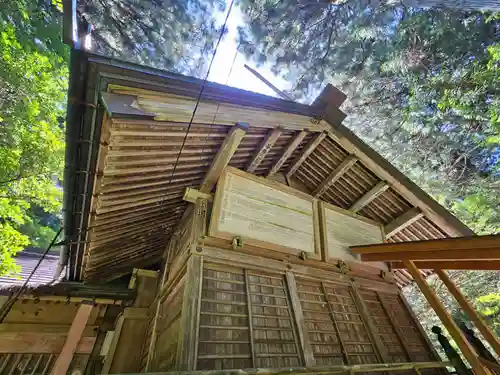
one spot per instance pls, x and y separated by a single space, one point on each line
33 83
175 35
423 87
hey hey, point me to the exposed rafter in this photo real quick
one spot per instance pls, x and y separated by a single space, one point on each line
308 149
297 140
369 196
224 155
335 175
403 221
264 148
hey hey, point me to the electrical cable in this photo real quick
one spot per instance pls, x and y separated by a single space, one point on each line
10 303
200 94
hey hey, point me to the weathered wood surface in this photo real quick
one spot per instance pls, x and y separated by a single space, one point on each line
470 264
369 196
341 229
449 323
179 109
341 369
188 335
224 155
133 322
72 339
403 221
264 213
308 149
263 149
288 151
37 342
335 175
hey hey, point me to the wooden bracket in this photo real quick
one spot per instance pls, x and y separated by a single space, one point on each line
191 195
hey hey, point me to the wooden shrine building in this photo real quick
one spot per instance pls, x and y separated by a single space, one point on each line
257 234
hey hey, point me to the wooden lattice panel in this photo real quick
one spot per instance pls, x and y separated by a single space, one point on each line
411 337
273 329
353 332
395 351
320 326
224 333
336 329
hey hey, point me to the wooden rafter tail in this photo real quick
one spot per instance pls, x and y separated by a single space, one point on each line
403 221
471 264
447 320
335 175
224 155
297 140
450 255
308 149
470 311
264 148
373 193
457 243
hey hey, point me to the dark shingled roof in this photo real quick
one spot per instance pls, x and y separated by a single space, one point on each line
27 261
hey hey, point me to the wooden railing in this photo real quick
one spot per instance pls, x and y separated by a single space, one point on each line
377 367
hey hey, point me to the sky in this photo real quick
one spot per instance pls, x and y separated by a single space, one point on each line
239 76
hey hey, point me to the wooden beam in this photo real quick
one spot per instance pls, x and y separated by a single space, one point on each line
470 311
459 243
373 193
299 319
224 155
403 221
191 195
335 175
297 140
473 254
308 149
387 172
266 145
75 333
493 265
446 319
41 342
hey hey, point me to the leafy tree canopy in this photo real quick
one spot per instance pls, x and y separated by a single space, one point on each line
33 82
423 86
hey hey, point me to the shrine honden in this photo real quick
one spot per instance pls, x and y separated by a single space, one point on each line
261 236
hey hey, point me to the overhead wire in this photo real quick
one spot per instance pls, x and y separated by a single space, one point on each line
10 303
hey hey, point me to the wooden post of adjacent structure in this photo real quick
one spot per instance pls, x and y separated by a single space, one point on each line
130 328
447 320
74 335
470 311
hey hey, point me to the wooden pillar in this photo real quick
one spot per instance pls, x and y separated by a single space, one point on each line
470 311
131 326
446 319
74 335
187 347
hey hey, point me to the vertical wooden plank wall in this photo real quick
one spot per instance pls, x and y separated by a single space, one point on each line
220 311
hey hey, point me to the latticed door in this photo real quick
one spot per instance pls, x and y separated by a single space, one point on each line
335 327
245 321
